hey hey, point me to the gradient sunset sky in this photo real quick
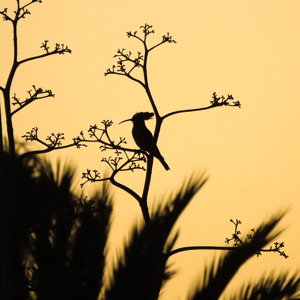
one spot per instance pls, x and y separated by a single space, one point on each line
247 48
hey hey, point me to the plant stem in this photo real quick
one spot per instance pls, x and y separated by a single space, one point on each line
6 92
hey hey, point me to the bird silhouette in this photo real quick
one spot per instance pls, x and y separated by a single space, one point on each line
143 136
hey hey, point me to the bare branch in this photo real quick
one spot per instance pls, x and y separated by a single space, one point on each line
147 29
5 15
32 1
94 176
238 242
109 71
59 49
20 13
122 161
91 176
125 59
216 102
191 248
33 136
130 34
105 140
165 39
126 189
38 94
236 234
53 142
277 248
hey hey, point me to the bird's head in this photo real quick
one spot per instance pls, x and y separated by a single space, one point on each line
141 116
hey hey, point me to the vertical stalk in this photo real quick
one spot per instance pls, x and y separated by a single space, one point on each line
145 212
147 83
160 256
157 251
157 125
6 93
1 131
5 238
10 133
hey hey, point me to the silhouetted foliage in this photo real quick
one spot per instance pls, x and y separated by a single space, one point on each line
58 239
136 272
270 287
54 241
217 276
58 242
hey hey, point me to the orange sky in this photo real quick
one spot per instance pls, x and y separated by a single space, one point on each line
246 48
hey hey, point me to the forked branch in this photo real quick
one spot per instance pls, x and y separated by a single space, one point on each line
238 244
125 66
238 241
20 13
37 94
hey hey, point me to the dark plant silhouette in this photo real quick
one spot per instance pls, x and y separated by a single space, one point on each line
58 242
126 66
217 276
37 93
58 238
55 240
133 273
9 100
126 159
269 287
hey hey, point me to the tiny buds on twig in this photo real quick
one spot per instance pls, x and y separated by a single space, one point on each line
45 46
146 29
168 38
91 176
224 101
59 48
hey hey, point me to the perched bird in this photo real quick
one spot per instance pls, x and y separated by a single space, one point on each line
143 136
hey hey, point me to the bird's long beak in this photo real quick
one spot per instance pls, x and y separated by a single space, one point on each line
125 121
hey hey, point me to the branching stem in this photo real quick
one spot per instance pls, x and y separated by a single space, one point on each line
126 57
190 248
20 13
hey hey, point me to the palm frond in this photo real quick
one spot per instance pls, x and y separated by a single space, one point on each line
166 215
271 287
136 272
88 254
218 274
70 236
62 176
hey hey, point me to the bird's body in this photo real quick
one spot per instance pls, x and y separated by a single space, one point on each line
143 136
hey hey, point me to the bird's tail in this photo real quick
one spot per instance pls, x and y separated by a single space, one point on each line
162 160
